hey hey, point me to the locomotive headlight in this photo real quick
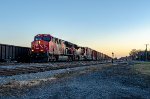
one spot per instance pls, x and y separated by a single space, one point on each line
32 50
39 42
41 50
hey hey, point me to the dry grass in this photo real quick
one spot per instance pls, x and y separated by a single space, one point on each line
142 67
81 72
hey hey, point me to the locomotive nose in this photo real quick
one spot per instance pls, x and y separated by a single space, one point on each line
39 46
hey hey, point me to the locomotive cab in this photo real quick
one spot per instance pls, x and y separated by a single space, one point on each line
40 46
40 43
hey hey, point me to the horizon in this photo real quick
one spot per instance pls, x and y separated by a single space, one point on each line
107 26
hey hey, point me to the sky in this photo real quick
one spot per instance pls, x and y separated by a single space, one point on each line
104 25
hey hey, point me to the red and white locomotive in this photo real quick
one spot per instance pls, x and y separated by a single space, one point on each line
48 48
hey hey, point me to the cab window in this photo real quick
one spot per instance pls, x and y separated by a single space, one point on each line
37 38
45 38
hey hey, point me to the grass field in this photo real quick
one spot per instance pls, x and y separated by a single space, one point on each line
142 67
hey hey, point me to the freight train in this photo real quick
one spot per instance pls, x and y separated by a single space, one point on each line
14 53
47 48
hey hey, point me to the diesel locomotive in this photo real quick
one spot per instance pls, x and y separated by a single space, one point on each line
47 48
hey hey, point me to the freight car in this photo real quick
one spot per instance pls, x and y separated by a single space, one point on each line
14 53
48 48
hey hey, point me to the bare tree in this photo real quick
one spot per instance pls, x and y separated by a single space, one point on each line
134 54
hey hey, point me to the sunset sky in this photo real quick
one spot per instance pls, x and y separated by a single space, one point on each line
104 25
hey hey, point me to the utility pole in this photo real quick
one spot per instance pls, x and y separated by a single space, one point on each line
146 52
112 57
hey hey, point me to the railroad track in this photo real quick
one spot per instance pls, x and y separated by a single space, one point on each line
43 67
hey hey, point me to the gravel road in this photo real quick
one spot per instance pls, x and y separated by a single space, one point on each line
118 81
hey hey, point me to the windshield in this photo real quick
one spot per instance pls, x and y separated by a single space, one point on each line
37 38
45 38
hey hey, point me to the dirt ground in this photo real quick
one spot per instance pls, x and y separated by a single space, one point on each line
110 81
